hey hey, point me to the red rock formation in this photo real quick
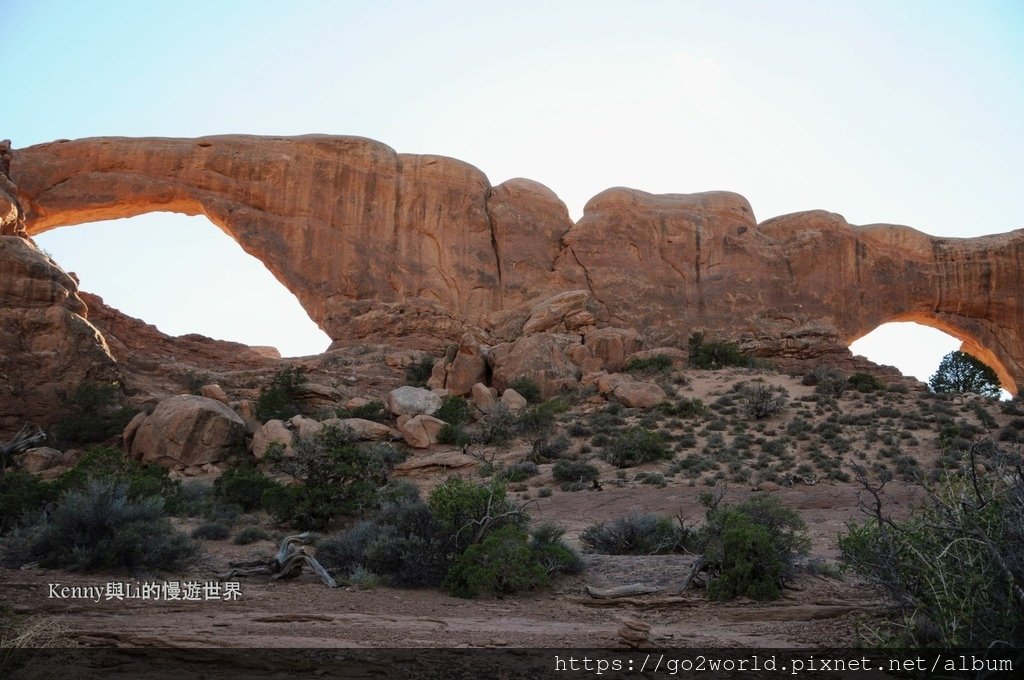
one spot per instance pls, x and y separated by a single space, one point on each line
48 347
418 249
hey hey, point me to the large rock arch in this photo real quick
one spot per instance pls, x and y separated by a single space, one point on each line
417 249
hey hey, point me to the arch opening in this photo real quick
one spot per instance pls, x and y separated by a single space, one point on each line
916 348
184 275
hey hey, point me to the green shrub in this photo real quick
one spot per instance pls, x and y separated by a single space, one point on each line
403 542
454 410
684 408
374 411
140 480
501 564
212 531
22 493
568 471
864 382
762 401
750 565
656 364
243 485
518 472
280 400
247 535
469 511
453 435
636 534
714 355
335 478
363 579
827 382
552 552
100 527
635 446
786 531
527 388
953 568
94 413
419 372
497 426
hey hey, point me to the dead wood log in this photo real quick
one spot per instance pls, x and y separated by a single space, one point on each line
286 564
631 590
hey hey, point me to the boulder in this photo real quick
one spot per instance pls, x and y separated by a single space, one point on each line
215 392
612 346
607 383
303 427
39 459
637 394
188 430
513 400
411 401
271 432
315 396
541 357
362 429
483 397
550 314
420 431
467 368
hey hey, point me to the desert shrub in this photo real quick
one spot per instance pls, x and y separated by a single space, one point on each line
827 382
572 471
94 413
99 527
22 493
713 355
518 472
955 566
864 382
527 388
373 410
247 535
453 435
502 563
454 410
636 534
243 485
419 372
684 408
335 477
469 511
363 578
280 399
785 530
762 401
547 448
750 566
554 555
212 531
497 426
403 543
635 446
140 480
656 364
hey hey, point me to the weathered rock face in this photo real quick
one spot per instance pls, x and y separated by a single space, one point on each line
188 431
416 250
47 347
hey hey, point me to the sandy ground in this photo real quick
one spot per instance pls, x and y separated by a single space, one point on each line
815 610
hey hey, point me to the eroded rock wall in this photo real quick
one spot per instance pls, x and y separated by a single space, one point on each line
417 250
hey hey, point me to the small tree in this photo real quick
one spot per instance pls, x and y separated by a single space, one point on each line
961 372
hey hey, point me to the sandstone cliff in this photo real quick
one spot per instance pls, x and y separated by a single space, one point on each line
418 250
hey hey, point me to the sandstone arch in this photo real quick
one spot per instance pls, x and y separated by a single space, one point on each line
417 249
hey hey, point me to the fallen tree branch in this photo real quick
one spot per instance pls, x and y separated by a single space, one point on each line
286 564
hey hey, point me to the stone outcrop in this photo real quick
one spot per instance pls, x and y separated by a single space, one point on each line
187 431
47 346
412 401
417 250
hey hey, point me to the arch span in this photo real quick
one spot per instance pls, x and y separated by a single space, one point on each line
418 249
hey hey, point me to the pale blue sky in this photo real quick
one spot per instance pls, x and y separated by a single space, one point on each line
904 112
